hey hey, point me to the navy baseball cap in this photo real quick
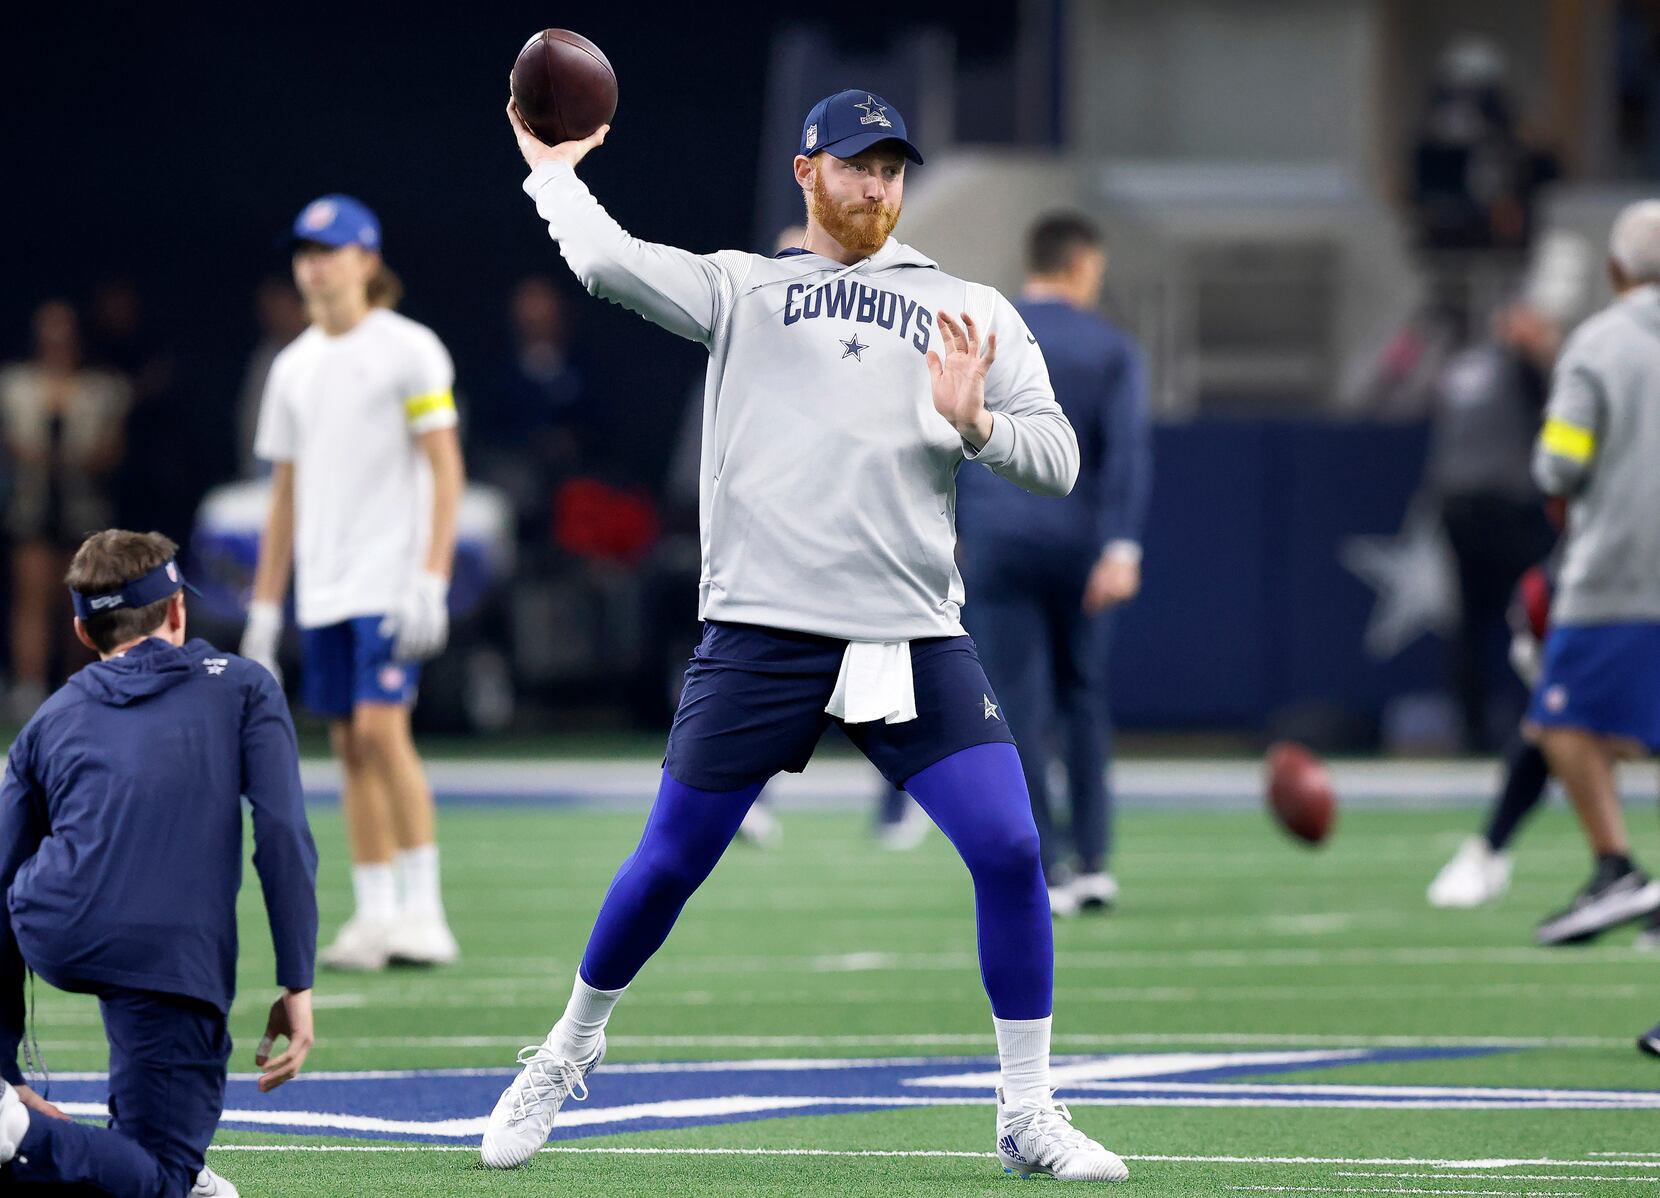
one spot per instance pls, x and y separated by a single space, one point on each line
852 121
337 220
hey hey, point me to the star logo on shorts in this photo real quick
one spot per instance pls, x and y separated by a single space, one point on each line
852 349
991 709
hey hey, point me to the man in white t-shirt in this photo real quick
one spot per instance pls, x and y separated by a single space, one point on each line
359 423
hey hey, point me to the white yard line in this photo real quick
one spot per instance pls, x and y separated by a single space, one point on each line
1636 1181
1076 1040
1376 1190
557 1149
841 782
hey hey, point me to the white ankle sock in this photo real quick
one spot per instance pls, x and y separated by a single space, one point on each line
577 1032
375 888
418 879
1023 1051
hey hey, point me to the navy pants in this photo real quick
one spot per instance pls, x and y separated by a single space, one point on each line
1048 661
167 1088
754 705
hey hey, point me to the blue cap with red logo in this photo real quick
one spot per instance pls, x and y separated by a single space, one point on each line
852 121
337 220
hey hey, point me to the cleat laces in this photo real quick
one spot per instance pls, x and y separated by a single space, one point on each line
1051 1127
546 1078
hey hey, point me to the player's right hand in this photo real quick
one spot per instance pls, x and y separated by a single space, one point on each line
262 634
536 151
290 1019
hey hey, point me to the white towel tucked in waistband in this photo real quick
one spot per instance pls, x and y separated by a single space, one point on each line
874 684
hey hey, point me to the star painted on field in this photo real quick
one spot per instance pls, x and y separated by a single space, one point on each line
1413 575
852 349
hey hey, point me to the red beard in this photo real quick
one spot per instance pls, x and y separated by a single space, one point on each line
859 228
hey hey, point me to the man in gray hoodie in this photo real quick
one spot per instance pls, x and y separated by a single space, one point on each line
848 381
1598 698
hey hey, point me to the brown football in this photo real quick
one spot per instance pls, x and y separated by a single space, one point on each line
1300 793
564 86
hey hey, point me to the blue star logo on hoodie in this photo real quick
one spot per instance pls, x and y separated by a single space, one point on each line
852 349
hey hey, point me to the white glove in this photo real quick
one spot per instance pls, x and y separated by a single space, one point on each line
261 635
421 622
1526 658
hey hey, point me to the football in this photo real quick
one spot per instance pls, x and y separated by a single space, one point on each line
1300 792
564 86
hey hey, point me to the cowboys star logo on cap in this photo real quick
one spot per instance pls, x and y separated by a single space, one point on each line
812 136
875 113
319 216
172 572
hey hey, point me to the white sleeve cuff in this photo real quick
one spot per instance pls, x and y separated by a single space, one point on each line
999 447
545 173
1123 550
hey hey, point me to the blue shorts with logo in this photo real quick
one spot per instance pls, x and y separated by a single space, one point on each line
349 663
1603 678
754 700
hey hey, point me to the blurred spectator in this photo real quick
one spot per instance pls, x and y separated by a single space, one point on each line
63 429
1043 577
1490 400
1474 177
1637 86
151 490
281 315
534 429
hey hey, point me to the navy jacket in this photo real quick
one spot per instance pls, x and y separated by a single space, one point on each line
1097 375
121 831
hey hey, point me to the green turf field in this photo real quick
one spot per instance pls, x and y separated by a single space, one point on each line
1229 940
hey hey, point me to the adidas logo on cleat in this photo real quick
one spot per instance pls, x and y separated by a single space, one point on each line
1011 1150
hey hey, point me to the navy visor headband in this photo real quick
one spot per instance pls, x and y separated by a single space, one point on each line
142 591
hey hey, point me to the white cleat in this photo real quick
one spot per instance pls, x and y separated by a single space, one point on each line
523 1118
761 827
1062 901
422 940
362 946
210 1185
905 833
14 1121
1474 876
1036 1138
1095 891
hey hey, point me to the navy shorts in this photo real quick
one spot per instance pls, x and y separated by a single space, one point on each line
349 663
754 699
1602 678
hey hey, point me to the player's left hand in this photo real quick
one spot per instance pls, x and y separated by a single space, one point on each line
1114 580
39 1105
420 625
290 1018
959 377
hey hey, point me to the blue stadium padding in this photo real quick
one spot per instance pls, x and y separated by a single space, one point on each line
1246 607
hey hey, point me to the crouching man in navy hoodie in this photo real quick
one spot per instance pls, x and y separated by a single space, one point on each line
120 862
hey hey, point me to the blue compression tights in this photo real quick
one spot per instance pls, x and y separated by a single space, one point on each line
977 797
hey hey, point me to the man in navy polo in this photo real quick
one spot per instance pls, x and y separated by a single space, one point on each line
1044 578
120 862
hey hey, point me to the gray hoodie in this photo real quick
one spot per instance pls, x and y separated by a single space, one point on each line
1601 448
828 482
